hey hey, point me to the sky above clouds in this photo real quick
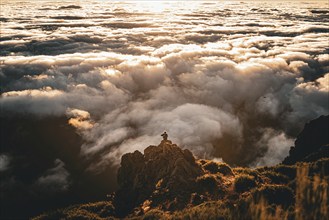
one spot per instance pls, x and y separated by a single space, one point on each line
231 80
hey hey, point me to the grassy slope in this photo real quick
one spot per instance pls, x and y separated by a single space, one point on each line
280 192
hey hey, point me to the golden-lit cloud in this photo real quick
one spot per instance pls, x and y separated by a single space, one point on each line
79 119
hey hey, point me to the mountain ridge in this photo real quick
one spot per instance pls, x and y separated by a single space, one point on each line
167 182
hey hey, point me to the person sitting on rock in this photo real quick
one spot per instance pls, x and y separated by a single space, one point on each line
164 136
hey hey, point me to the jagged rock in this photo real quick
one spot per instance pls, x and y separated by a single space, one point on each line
163 169
312 142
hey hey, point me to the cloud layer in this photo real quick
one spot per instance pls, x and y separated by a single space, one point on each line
220 72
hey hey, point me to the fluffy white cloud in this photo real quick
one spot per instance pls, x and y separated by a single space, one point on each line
276 147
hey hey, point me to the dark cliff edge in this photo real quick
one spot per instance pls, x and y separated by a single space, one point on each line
312 143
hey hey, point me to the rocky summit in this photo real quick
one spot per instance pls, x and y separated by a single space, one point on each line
164 172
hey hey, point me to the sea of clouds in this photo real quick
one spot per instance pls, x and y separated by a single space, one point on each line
229 80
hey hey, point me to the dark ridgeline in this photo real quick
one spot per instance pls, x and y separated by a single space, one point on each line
312 143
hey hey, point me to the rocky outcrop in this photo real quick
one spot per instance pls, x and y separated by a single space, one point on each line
163 172
312 143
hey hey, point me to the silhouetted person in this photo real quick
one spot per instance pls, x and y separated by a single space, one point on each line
164 136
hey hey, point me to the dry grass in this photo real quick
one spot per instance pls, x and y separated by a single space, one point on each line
217 168
311 195
311 199
89 211
215 210
261 194
263 211
244 182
